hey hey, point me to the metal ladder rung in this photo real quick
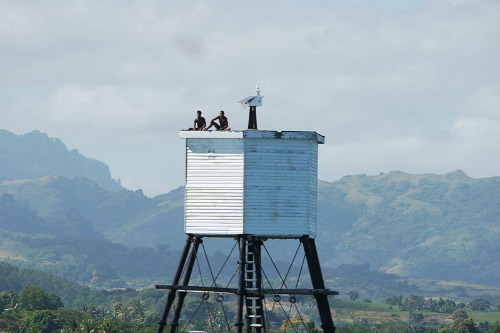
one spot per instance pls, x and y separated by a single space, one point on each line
255 316
256 325
253 307
252 297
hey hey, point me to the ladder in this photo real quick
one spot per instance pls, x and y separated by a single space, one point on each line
253 286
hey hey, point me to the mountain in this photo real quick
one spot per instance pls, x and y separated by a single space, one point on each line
426 226
35 155
70 247
432 226
16 218
127 217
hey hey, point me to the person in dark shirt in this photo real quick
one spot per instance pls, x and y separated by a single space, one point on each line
199 122
223 123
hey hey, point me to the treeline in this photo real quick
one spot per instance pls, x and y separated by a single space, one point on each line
31 301
458 326
420 316
419 303
35 310
73 295
95 261
441 305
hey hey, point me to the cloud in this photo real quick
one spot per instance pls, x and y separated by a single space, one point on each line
371 156
410 85
476 133
112 108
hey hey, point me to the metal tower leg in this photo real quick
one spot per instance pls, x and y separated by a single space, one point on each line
318 283
250 291
242 243
171 294
185 282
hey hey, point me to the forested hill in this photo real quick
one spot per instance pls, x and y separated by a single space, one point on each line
432 226
35 154
424 226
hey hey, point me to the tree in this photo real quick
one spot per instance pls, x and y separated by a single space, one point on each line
41 321
137 310
495 328
7 301
415 319
395 300
414 303
108 325
295 324
462 325
88 325
121 312
97 312
479 304
353 295
459 313
34 298
134 311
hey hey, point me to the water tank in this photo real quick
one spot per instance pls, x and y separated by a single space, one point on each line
252 182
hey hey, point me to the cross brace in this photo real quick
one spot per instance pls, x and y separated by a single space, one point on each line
265 291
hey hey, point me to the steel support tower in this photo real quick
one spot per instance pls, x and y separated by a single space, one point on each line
250 316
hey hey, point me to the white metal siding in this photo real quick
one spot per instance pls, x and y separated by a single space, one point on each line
251 182
313 188
214 186
277 187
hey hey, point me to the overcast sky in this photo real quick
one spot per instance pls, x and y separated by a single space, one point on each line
393 85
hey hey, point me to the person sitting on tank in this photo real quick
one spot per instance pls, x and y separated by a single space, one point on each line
223 123
199 122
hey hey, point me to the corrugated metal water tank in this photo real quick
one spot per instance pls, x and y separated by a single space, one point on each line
261 183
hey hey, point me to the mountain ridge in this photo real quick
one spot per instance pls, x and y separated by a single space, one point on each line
34 155
452 216
417 226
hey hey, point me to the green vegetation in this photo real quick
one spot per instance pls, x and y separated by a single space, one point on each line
34 310
431 242
440 227
369 317
424 226
32 300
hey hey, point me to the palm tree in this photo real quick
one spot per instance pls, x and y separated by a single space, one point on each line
137 310
108 326
88 326
121 312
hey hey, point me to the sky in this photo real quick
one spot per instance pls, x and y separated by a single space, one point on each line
392 85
